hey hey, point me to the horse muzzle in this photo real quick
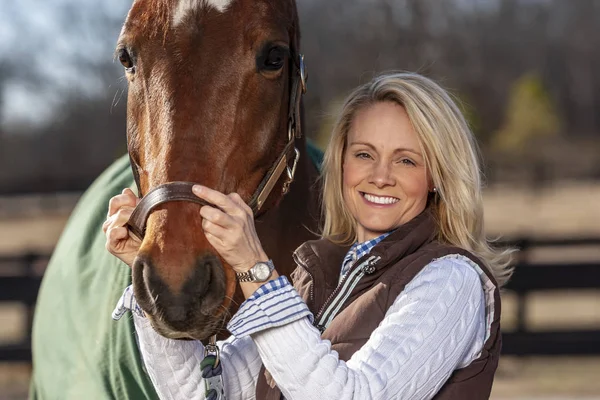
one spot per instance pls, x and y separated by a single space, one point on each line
193 310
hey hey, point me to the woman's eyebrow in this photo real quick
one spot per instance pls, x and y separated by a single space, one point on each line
399 150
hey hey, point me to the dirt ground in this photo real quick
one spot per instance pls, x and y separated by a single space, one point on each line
567 210
547 378
555 378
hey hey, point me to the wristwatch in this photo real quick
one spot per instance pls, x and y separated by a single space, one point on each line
260 272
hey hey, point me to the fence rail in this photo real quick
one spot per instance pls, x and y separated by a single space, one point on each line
23 281
20 280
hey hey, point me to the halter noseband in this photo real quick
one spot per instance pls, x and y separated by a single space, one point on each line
182 191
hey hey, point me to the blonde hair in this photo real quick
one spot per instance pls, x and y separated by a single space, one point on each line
451 158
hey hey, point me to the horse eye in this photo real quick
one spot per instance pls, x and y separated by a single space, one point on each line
274 59
125 58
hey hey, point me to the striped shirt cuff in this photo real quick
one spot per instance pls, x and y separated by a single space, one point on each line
275 303
126 303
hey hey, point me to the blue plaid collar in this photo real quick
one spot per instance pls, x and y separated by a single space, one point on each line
358 250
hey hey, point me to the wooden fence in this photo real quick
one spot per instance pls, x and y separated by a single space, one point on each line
530 278
20 278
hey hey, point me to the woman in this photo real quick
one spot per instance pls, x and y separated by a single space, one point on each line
398 300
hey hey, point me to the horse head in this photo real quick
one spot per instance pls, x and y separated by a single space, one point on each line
210 87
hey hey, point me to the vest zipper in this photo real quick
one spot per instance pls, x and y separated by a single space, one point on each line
341 293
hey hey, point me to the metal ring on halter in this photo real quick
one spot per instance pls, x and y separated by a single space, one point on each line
291 171
303 74
291 131
212 349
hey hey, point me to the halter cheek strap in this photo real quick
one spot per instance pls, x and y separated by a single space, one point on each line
182 191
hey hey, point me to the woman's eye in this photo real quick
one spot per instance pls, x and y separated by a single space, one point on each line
363 155
407 161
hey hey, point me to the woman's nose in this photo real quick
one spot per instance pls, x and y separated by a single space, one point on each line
382 175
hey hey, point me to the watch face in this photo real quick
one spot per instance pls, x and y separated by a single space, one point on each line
261 271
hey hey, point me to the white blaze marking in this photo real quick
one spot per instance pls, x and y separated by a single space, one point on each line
184 7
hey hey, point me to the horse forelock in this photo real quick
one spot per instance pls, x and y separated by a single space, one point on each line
184 7
156 17
153 17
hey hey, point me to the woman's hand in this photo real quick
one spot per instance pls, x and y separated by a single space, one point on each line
230 231
119 241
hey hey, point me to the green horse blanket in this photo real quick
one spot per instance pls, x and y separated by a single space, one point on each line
79 352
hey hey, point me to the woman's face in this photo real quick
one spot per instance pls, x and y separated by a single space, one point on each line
385 182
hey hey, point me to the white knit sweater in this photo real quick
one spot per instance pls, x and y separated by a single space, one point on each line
436 325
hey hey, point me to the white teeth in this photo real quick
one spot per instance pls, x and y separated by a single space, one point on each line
381 200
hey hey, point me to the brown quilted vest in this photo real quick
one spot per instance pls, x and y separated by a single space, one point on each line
403 254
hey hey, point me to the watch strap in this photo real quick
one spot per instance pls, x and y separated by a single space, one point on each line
244 276
248 276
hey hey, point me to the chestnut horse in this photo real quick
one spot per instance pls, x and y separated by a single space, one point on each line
212 99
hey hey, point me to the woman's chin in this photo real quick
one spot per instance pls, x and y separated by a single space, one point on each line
371 231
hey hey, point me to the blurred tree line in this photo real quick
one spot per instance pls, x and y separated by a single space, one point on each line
527 73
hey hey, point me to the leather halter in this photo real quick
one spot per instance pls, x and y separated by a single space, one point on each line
182 191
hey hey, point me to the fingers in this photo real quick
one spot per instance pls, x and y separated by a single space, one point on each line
229 203
237 199
216 216
115 235
214 233
128 192
120 243
214 197
126 199
230 242
230 228
118 219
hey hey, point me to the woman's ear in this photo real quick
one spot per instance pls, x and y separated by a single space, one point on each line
431 188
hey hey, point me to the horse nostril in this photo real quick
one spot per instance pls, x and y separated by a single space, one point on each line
140 271
209 283
202 277
142 282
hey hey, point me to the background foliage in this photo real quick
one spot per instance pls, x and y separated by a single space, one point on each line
526 72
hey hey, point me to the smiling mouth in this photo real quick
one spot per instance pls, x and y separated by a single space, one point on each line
385 200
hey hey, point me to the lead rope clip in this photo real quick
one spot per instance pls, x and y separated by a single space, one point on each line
212 371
